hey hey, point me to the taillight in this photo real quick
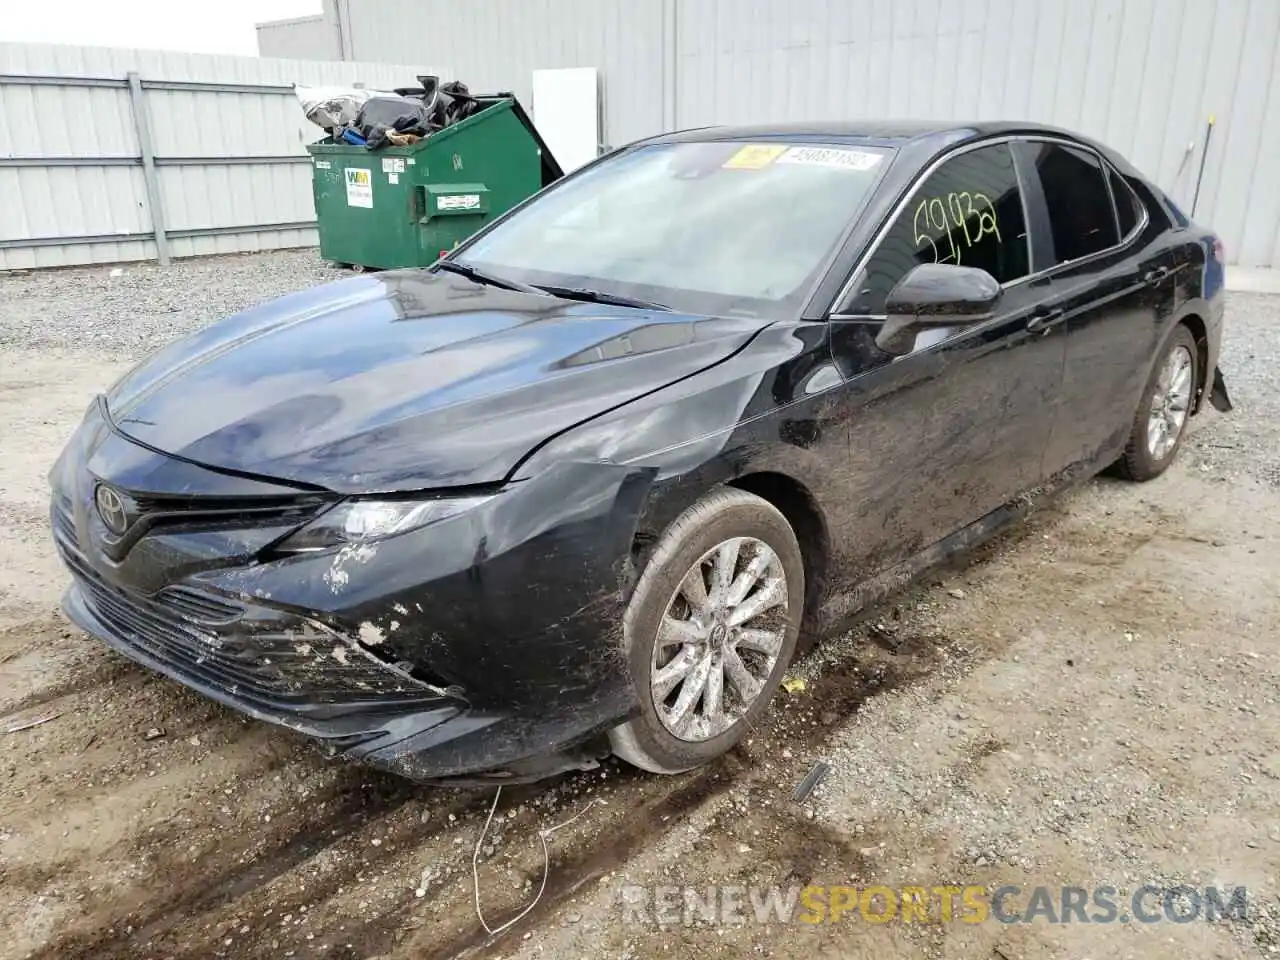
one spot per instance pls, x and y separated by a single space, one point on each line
1218 253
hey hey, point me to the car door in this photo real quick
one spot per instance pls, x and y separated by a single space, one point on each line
945 434
1113 287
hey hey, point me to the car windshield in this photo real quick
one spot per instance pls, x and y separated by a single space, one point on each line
711 228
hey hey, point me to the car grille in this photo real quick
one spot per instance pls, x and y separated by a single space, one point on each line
200 607
64 527
203 636
214 512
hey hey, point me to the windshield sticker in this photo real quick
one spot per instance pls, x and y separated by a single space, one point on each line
845 159
754 156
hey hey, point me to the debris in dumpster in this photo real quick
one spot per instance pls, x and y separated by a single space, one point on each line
332 108
455 102
375 120
397 114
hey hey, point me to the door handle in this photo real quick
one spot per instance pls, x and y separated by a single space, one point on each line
1156 275
1044 321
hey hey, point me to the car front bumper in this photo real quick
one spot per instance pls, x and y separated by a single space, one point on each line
486 648
430 738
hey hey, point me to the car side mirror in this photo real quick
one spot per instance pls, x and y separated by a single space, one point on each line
935 295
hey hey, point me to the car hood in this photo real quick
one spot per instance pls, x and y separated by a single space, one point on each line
405 380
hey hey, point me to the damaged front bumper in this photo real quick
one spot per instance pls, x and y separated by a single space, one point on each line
300 675
481 648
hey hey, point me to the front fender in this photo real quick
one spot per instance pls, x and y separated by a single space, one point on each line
768 409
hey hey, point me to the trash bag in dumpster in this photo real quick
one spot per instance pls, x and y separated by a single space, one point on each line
446 103
458 103
399 114
332 107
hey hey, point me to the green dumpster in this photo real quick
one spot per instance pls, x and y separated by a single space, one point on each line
406 206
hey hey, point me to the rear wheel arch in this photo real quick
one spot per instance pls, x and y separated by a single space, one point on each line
1141 460
1200 332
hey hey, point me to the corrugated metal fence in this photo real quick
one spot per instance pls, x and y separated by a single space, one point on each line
112 155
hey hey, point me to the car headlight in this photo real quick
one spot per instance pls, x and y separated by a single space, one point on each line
361 521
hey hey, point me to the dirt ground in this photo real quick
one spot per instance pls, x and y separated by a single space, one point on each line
1093 699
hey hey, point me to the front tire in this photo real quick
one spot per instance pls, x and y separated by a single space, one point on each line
1161 421
710 629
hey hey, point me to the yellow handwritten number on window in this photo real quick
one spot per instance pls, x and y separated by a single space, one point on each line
936 219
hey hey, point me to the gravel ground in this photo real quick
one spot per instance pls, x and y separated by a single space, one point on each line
146 305
1092 699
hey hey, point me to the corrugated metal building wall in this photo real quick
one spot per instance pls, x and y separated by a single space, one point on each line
302 38
231 165
497 44
1142 75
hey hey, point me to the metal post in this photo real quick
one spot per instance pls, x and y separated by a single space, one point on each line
142 124
671 51
1204 155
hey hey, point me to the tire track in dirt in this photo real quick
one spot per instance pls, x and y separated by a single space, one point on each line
82 676
184 925
353 807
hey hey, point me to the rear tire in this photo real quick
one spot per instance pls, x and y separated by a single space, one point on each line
1161 421
710 629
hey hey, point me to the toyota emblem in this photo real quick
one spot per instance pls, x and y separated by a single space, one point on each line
112 510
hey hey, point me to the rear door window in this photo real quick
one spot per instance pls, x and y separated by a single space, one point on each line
1081 216
968 212
1128 211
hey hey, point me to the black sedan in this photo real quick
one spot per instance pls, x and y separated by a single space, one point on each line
586 484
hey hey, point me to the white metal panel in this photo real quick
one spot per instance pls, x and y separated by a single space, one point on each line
43 203
302 38
566 111
1259 244
1241 137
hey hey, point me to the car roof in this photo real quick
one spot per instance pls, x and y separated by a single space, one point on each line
886 131
916 141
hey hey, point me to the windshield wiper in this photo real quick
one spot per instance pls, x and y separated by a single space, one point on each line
481 276
599 296
476 275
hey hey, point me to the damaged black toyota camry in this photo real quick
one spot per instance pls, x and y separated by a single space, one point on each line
584 486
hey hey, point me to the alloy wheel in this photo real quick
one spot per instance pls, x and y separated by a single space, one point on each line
719 639
1170 403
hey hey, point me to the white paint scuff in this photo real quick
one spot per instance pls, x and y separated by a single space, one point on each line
371 635
337 575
